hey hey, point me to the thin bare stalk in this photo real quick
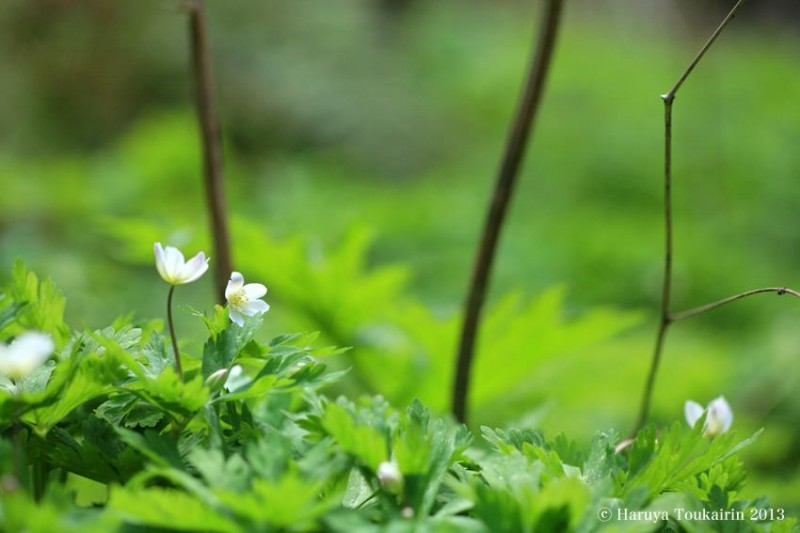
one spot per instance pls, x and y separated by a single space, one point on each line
212 144
666 290
666 317
731 15
178 367
504 188
780 291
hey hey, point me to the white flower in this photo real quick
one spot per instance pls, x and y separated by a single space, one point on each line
243 300
389 475
25 354
236 379
174 269
718 419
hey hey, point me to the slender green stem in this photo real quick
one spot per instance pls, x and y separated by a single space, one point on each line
178 366
780 291
666 317
666 290
40 473
504 188
731 15
18 453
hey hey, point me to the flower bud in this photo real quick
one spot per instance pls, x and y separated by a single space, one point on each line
389 475
216 380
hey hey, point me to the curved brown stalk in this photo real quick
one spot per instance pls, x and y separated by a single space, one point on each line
212 145
504 188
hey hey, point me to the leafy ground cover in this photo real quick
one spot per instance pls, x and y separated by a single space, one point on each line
105 435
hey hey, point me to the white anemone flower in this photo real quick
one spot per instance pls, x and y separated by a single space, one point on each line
244 300
174 269
719 416
25 354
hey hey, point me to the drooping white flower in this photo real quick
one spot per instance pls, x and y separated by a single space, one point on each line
236 379
389 475
719 416
174 269
25 354
244 300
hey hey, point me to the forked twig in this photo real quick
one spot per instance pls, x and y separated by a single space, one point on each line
212 144
504 188
667 317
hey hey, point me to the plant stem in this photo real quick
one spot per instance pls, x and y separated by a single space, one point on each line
19 463
780 291
212 144
40 473
666 291
178 367
504 188
731 15
666 317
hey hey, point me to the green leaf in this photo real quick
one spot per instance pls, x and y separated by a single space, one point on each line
156 355
362 441
231 474
10 313
300 502
158 448
221 349
43 308
169 509
681 454
76 381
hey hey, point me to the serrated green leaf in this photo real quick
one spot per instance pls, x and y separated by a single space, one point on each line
169 509
10 313
362 441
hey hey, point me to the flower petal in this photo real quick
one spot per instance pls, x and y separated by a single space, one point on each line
161 261
234 284
173 263
255 291
254 307
720 416
236 317
196 267
693 411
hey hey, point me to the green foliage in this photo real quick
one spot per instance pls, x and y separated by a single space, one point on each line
272 452
36 305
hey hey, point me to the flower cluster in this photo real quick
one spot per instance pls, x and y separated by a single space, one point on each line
243 299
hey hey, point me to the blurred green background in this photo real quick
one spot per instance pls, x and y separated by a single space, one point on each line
362 140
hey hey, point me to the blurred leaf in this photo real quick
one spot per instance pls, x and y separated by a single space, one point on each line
167 508
362 441
41 304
